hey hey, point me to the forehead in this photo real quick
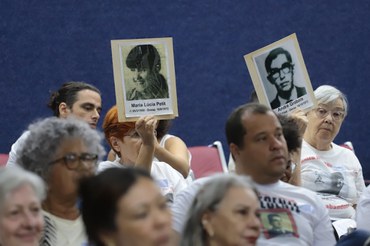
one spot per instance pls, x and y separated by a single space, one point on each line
255 123
143 192
336 104
72 144
89 96
279 61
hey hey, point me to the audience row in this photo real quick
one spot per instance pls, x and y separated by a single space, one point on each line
292 185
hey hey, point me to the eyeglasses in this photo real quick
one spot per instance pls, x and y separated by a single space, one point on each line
72 160
285 69
337 115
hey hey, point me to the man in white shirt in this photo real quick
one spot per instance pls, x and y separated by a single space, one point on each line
259 149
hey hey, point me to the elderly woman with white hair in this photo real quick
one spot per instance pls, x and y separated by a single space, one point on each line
61 152
332 171
21 220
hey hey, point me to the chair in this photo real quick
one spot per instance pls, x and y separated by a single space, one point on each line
206 160
3 159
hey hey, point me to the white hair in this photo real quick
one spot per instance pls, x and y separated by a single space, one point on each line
326 94
11 178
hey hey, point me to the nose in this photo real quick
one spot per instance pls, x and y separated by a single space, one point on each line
162 219
276 143
29 220
329 118
96 114
137 75
255 222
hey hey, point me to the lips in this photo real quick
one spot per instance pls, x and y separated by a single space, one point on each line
163 240
28 237
92 125
251 240
279 158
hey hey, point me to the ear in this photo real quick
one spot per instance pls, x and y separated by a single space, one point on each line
207 223
64 110
115 143
234 149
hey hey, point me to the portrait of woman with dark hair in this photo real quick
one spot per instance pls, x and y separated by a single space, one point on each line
144 62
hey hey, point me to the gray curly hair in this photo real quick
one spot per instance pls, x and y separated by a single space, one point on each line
45 137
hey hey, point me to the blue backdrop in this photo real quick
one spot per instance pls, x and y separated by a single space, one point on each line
45 43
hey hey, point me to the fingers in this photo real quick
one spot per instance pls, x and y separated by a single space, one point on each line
146 125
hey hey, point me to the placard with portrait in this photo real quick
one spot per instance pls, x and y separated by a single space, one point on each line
144 78
280 77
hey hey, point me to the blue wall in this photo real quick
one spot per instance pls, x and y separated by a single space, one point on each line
44 45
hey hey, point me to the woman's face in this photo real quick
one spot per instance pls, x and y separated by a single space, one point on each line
143 217
236 221
129 147
63 181
21 220
320 130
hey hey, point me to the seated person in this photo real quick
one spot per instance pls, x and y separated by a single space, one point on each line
256 140
224 212
61 152
79 99
21 220
134 144
332 171
123 206
169 149
172 150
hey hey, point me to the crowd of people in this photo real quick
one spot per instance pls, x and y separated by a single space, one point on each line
292 185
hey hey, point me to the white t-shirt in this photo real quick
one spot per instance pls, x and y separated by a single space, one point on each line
13 154
336 176
189 179
168 179
305 220
62 232
363 210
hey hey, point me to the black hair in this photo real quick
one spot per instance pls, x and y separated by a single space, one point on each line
99 197
67 93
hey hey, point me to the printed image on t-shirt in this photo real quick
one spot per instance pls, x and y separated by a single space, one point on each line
278 223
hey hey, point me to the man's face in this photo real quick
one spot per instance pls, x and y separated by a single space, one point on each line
276 222
87 107
264 154
281 73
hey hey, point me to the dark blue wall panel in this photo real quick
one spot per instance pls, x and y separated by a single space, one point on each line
45 43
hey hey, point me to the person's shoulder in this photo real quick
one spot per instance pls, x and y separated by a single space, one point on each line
107 164
298 191
160 167
301 91
275 103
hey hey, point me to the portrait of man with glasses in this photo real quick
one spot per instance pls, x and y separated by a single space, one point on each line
280 73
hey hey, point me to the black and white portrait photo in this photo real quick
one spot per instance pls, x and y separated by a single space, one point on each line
280 77
144 78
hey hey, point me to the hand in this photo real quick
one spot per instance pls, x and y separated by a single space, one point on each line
300 118
145 127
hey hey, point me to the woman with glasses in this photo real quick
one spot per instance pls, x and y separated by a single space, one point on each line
61 152
134 143
332 171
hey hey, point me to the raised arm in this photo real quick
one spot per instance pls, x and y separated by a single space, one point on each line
145 127
175 153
